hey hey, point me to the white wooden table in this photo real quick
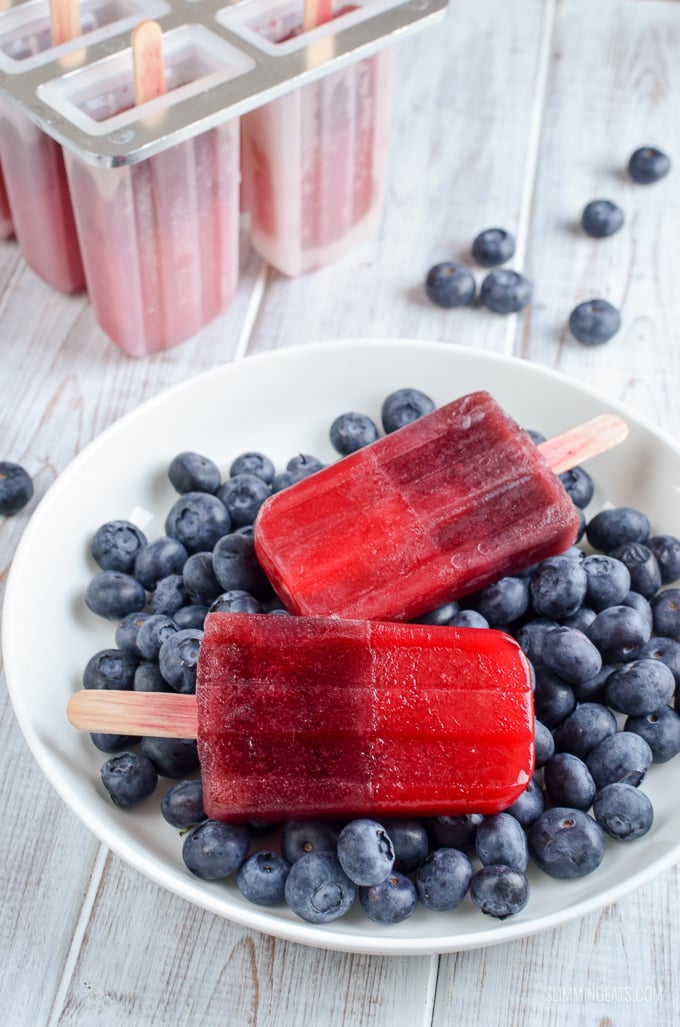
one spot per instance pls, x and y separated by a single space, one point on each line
513 113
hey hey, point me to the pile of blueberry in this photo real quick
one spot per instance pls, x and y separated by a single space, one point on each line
599 624
450 284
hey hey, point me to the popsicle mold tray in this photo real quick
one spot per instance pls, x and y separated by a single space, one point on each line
222 60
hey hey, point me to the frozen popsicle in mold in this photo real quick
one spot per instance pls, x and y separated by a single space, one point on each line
6 224
35 176
314 162
159 237
306 717
432 512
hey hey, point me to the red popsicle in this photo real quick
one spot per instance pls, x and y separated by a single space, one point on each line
432 512
307 717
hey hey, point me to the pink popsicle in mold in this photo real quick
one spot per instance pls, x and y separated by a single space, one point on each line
159 237
314 161
36 182
6 224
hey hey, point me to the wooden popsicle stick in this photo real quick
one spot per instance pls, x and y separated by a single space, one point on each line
586 440
158 714
316 12
64 20
147 61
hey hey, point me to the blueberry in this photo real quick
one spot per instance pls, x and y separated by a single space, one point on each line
558 587
554 699
619 632
262 878
129 778
193 472
148 678
403 407
178 657
110 668
199 578
531 637
579 486
317 889
612 527
468 619
158 559
665 649
640 687
236 566
127 630
409 841
443 879
493 246
661 731
182 804
499 891
191 616
243 495
592 690
505 292
666 549
352 431
197 520
365 851
390 901
299 837
581 619
111 743
455 832
440 615
115 546
624 756
528 806
214 850
16 488
501 840
448 285
566 843
648 164
624 812
645 576
594 322
608 581
235 600
571 654
601 218
503 601
304 464
114 595
169 595
588 725
544 742
253 463
666 612
537 437
568 781
641 604
172 757
152 633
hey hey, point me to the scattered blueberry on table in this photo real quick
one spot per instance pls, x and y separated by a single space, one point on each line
600 625
493 246
450 285
505 292
601 218
648 165
16 488
594 322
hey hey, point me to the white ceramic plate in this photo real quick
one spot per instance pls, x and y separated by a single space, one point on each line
283 402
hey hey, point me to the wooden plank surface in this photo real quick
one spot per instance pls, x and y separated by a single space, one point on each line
513 112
